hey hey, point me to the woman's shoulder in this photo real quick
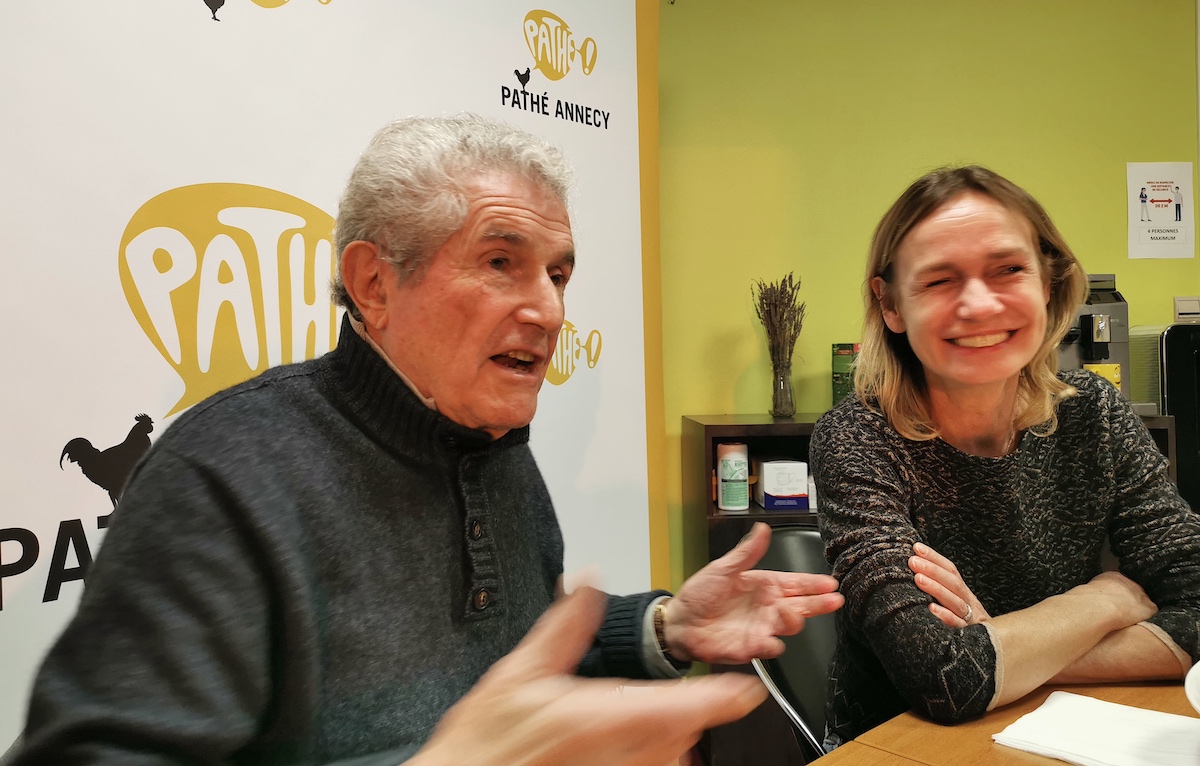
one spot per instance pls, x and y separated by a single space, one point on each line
852 424
1095 397
852 412
1086 382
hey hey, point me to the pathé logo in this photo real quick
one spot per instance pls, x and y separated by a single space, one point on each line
554 48
568 352
227 280
278 3
216 5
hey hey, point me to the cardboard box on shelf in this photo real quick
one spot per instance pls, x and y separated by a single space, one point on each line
782 484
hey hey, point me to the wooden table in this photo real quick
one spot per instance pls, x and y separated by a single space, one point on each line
914 740
855 754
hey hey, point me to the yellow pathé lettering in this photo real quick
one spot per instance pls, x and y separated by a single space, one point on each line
255 298
549 40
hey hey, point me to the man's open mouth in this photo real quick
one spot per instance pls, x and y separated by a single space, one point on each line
517 360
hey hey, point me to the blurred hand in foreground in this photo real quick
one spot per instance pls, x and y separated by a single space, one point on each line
529 710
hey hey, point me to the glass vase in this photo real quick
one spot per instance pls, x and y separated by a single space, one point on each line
782 403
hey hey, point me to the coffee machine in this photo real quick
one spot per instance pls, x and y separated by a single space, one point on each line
1099 339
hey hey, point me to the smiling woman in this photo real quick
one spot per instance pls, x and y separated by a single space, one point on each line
968 290
968 489
1009 248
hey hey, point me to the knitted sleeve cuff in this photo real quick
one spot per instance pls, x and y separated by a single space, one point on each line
617 651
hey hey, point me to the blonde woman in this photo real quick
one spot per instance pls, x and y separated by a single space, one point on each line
968 489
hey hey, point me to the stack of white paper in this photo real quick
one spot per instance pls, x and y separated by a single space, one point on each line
1092 732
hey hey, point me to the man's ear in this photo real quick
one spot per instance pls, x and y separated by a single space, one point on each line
891 317
364 273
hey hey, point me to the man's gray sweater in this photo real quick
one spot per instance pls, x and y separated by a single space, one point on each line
310 567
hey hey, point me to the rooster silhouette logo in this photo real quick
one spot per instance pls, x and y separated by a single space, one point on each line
214 6
522 78
110 469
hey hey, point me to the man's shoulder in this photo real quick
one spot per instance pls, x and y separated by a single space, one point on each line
256 409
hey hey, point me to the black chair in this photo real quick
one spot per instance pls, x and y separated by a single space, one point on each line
798 678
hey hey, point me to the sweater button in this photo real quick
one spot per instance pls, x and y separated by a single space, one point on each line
476 530
482 599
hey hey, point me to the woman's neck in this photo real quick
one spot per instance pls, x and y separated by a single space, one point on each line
978 419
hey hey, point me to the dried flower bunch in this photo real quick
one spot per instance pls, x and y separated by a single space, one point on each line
782 313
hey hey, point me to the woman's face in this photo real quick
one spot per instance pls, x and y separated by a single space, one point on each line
968 290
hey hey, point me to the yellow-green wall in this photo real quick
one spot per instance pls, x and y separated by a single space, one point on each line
788 126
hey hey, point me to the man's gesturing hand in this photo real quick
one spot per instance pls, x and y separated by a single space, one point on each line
729 613
529 709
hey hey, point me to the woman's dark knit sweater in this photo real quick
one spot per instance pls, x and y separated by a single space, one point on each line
1020 528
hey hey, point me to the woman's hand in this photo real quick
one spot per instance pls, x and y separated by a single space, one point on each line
1131 603
954 603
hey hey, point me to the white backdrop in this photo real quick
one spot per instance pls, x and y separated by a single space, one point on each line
151 155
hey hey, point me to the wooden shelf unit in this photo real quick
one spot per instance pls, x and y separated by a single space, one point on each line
763 435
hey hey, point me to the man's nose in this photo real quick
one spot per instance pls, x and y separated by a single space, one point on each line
543 305
978 299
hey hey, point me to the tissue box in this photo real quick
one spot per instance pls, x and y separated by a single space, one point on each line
782 484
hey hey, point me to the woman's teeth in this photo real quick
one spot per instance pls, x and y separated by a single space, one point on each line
981 341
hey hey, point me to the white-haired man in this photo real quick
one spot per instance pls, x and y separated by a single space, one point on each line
343 561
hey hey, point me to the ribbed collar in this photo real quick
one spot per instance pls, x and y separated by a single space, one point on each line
360 381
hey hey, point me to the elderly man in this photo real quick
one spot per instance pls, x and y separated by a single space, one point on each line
340 560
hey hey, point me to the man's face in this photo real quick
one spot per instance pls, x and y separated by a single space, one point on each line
476 327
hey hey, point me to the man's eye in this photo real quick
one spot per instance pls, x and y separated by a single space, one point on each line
936 283
1015 268
498 263
559 279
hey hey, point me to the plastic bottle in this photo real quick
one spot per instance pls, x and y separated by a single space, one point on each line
733 474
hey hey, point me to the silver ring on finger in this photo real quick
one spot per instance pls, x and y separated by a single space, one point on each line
969 614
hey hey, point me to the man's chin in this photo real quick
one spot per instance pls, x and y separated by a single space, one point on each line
501 422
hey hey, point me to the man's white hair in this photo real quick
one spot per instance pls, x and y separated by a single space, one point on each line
406 193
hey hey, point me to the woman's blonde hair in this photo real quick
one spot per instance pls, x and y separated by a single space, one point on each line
889 375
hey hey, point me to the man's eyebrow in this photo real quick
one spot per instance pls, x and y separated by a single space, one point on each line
511 237
517 238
